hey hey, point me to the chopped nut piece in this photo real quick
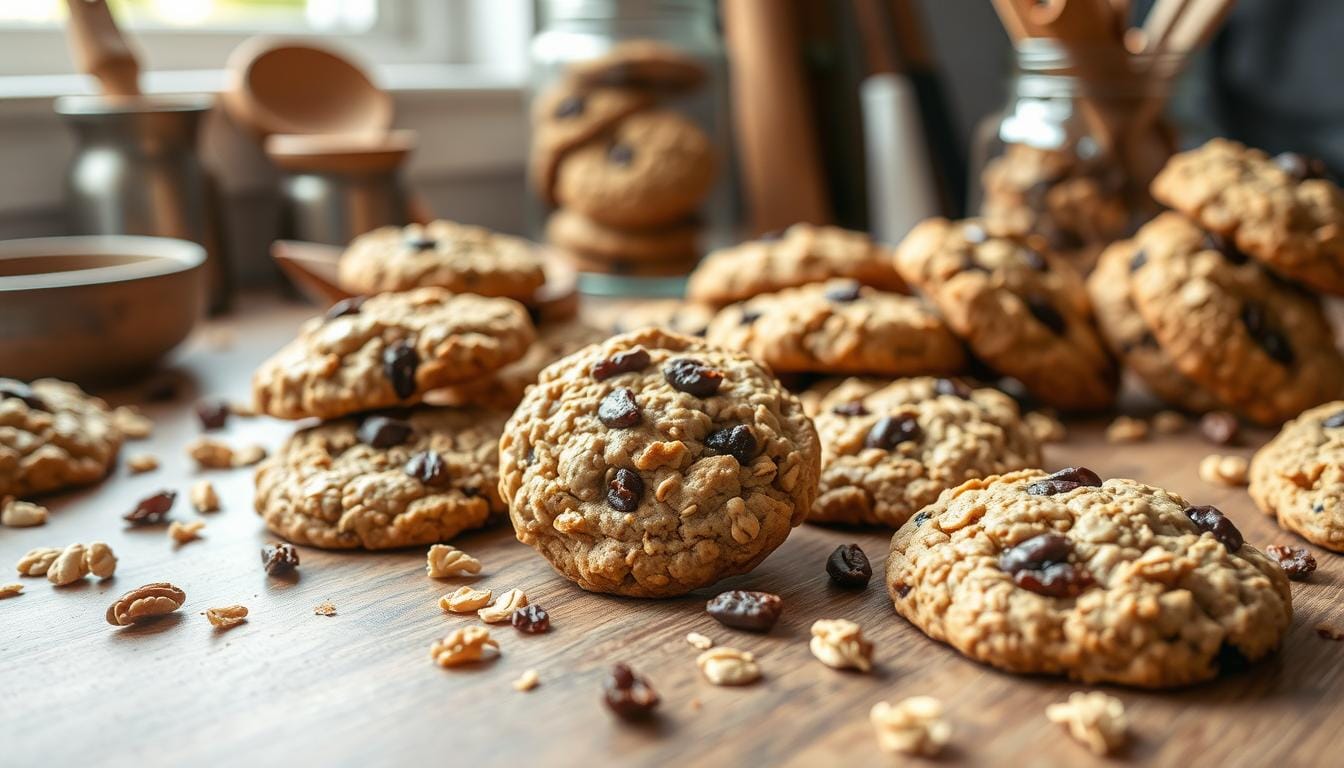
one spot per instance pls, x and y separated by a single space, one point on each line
69 566
10 590
839 643
1095 719
463 646
37 561
203 497
1045 427
1223 470
147 602
444 562
100 560
699 641
229 616
279 559
728 666
465 600
914 726
527 681
1126 429
184 532
23 514
1169 422
1329 631
325 608
503 608
210 454
142 462
131 423
248 455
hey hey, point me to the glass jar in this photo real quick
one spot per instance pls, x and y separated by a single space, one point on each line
629 163
1070 158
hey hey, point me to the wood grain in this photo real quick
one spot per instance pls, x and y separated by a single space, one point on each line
358 688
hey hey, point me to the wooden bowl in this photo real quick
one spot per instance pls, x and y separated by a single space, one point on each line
96 309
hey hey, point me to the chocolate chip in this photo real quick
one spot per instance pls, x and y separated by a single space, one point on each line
738 442
1137 261
345 307
1045 312
618 409
213 413
400 362
151 510
843 292
428 467
745 609
628 695
625 490
531 619
1334 420
852 408
383 432
570 106
1270 340
692 377
421 243
279 559
1302 167
1212 520
621 154
621 362
952 387
1065 480
974 234
1040 564
891 431
1220 428
18 390
848 566
1297 563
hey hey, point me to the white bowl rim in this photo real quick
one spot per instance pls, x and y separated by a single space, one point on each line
166 256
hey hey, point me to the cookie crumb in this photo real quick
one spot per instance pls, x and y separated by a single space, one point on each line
210 454
226 617
839 644
465 600
728 666
10 590
22 514
325 608
1223 470
1169 422
699 641
914 726
1126 429
203 497
1046 428
182 533
503 608
248 455
1330 631
131 423
444 562
463 646
142 462
1093 718
527 681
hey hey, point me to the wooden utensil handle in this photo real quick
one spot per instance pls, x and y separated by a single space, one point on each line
100 50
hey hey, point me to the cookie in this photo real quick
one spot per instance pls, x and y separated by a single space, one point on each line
652 464
53 435
641 63
1101 582
567 114
1129 336
1281 210
802 254
383 481
668 314
388 350
1258 344
504 388
461 258
839 327
1023 313
651 169
889 448
1298 477
575 232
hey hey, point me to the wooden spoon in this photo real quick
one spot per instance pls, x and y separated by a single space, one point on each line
100 49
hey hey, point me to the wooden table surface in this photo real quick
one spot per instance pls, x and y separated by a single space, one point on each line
358 688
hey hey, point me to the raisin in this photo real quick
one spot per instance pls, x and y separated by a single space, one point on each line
1065 480
621 154
900 588
1215 242
279 559
621 362
852 408
1231 659
738 442
744 609
627 694
618 409
891 431
1036 553
921 518
1334 420
532 619
1054 580
692 377
570 106
1212 520
345 307
399 364
1220 428
953 387
421 243
1301 167
843 292
1137 261
1045 313
428 467
974 234
1035 260
18 390
383 432
151 510
749 316
849 567
1270 340
213 413
625 490
1297 563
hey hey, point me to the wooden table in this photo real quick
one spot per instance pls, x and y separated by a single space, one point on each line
358 688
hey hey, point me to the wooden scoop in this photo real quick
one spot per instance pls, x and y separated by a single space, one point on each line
100 50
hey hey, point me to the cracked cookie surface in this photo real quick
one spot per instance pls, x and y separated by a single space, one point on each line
839 327
1157 601
504 388
1298 477
52 436
388 351
345 485
652 464
889 448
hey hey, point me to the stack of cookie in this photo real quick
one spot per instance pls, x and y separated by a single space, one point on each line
626 174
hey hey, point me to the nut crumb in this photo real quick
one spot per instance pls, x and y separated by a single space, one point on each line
699 641
140 463
100 560
210 454
465 600
1217 469
444 562
503 608
839 644
1045 427
463 646
914 726
10 590
22 514
1126 429
69 566
37 561
1095 719
527 681
182 533
728 666
131 423
203 497
1169 422
229 616
147 602
325 608
248 455
1329 631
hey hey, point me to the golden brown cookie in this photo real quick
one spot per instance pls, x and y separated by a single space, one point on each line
53 435
1298 477
567 114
